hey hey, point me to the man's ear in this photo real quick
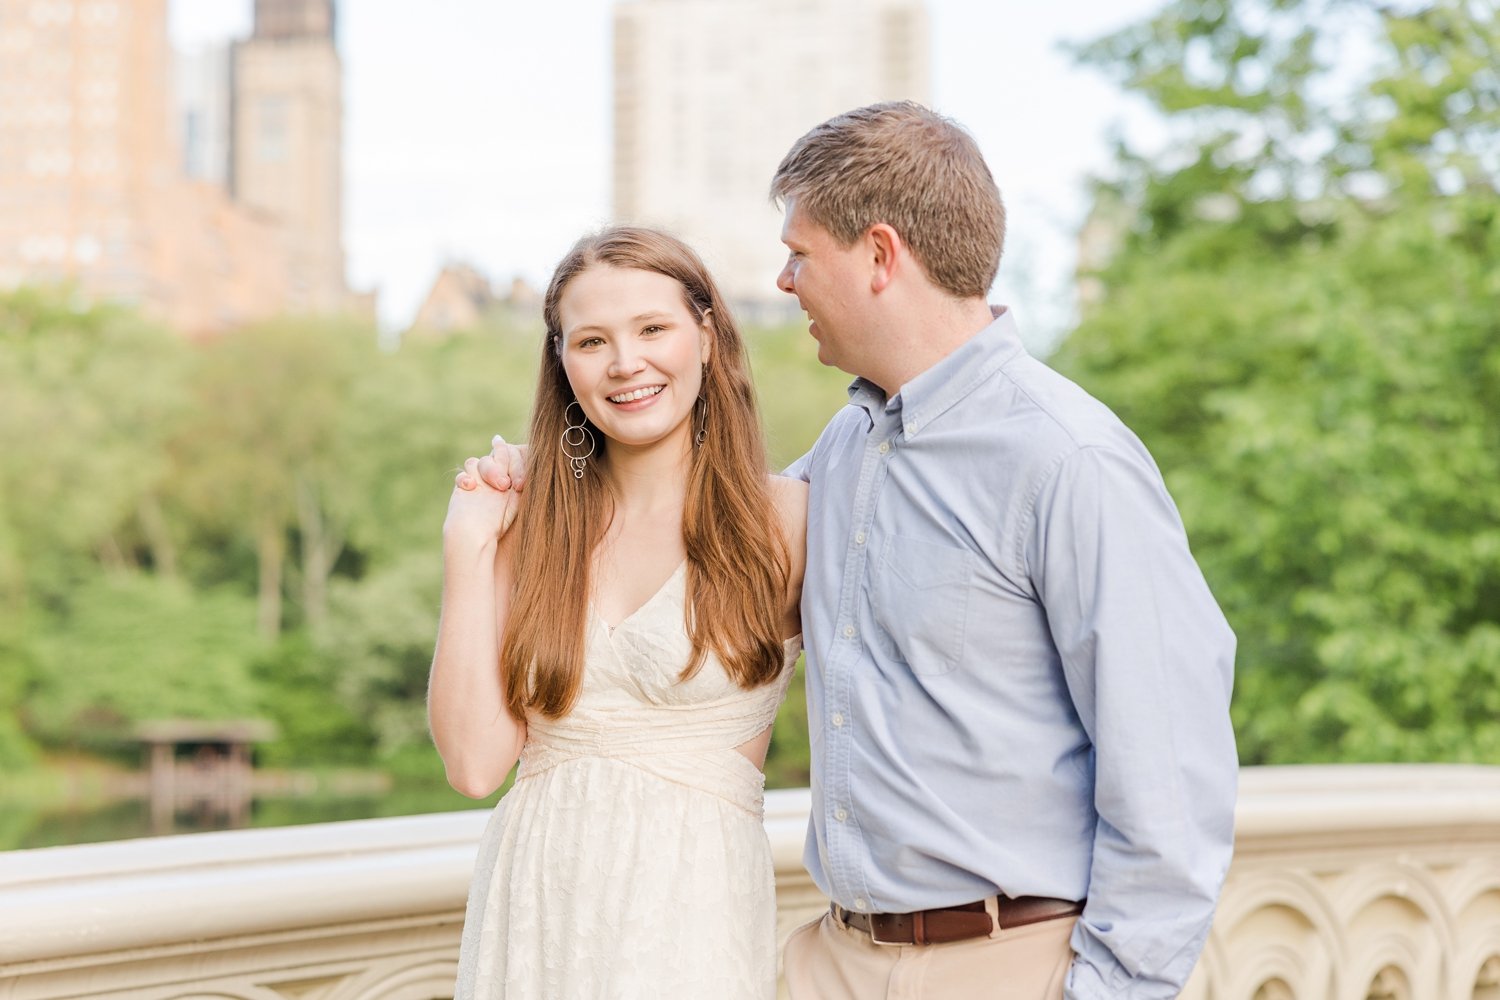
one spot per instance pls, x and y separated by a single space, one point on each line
886 251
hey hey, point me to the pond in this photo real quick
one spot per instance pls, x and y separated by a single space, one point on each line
26 825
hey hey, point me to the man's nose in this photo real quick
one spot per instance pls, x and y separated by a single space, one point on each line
784 279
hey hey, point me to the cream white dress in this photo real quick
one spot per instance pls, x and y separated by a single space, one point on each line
630 859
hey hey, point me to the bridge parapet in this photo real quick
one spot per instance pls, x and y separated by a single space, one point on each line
1352 881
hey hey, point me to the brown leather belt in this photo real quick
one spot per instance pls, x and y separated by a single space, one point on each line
955 923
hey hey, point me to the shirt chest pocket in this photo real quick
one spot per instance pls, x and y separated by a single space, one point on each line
921 601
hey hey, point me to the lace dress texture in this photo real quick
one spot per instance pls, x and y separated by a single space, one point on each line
630 859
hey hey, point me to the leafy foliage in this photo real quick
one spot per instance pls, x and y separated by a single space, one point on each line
1300 322
137 647
249 526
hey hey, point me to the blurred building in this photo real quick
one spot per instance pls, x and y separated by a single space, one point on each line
461 298
203 107
286 150
710 94
101 189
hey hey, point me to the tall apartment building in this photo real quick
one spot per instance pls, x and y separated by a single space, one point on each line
91 188
83 160
287 142
709 94
100 189
204 101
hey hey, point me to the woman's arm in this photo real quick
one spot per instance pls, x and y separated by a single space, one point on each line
790 499
476 736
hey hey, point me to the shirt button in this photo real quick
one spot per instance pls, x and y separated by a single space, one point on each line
859 539
840 815
860 904
885 446
848 631
838 719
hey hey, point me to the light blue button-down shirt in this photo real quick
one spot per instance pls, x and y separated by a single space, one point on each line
1017 680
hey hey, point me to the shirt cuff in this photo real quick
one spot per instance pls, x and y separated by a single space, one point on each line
1085 982
1089 982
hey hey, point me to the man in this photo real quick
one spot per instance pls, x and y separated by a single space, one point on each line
1018 682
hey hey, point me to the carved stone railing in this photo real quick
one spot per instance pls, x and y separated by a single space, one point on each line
1365 883
1362 882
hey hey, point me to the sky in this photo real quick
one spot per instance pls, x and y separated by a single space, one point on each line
479 131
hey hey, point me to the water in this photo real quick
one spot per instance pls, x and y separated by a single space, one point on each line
24 826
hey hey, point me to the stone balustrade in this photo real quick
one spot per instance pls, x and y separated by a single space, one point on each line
1360 882
1349 883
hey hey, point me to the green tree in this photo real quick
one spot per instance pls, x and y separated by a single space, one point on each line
1299 321
409 422
128 646
250 526
263 453
87 397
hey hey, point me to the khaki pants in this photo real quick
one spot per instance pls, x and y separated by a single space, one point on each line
825 960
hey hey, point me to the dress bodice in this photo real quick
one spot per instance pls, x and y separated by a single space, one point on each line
634 826
633 705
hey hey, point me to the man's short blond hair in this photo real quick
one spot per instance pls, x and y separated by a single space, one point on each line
909 167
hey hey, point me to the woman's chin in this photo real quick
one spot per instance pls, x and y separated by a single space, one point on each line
642 438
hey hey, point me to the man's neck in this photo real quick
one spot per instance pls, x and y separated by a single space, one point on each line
921 340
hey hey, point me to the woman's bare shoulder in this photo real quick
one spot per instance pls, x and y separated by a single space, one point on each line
790 498
789 495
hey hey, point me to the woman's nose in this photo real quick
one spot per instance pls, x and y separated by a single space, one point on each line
626 361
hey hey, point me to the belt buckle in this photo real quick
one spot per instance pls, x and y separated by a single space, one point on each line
884 944
844 914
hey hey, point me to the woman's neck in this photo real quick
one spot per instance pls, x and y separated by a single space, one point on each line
650 480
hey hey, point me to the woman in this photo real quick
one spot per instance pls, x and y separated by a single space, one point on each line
628 633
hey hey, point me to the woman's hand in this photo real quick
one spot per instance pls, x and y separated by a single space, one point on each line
478 512
503 468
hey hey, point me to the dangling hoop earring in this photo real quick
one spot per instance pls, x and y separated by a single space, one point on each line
576 437
702 434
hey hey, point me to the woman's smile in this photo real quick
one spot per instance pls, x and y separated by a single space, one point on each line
636 399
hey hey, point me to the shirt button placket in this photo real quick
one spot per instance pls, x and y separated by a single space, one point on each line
847 867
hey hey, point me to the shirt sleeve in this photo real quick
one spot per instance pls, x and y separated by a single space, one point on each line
1148 659
801 468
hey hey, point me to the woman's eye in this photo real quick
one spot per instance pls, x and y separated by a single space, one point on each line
588 342
654 328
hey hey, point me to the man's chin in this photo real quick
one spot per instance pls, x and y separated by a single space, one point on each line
828 360
827 356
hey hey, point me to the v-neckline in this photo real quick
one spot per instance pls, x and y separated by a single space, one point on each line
610 630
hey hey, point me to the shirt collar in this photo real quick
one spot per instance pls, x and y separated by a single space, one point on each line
936 390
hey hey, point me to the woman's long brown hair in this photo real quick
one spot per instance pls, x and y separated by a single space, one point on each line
737 558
